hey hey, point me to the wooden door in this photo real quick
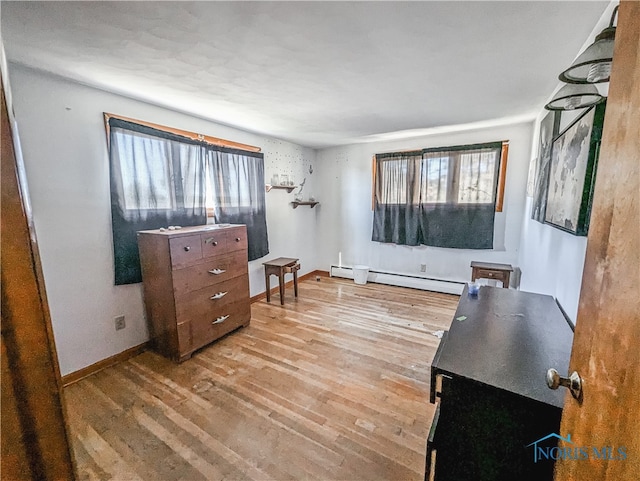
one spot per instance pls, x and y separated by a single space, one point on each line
606 348
34 433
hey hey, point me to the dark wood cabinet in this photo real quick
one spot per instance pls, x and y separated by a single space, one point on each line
196 286
491 270
488 378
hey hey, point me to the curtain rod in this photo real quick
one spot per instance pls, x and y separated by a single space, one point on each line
185 133
443 148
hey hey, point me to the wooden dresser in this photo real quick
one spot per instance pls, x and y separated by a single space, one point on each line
488 378
196 286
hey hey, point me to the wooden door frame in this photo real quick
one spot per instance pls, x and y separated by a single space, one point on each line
606 344
35 440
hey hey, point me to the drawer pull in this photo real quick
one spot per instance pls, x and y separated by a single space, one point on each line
217 272
211 241
221 319
219 295
237 239
187 248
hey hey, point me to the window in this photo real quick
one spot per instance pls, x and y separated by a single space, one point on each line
151 170
228 182
235 181
453 176
477 178
162 177
436 181
442 197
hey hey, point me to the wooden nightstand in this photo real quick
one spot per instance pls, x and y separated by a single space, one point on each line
489 270
279 267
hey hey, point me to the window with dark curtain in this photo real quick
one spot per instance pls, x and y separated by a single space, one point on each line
441 197
160 179
157 180
237 195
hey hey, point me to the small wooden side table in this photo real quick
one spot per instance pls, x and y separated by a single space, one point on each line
490 270
279 267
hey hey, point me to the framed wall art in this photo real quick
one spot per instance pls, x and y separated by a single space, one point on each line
531 177
549 127
572 172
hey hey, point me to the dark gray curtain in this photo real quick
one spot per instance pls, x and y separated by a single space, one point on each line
437 197
157 180
236 178
396 216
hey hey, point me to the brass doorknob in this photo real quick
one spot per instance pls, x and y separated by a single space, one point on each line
573 382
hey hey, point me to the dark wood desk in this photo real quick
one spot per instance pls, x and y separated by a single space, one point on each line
493 398
279 267
491 270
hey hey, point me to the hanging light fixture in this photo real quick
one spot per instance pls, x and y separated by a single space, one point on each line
575 96
594 64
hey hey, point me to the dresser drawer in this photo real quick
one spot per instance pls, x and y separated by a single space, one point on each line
205 330
214 242
210 272
487 274
185 250
208 302
237 239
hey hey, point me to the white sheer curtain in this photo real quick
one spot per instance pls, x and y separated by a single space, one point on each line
157 180
236 194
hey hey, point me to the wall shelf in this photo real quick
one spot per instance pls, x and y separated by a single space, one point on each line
309 203
288 188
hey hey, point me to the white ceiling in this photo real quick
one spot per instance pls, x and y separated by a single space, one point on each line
314 73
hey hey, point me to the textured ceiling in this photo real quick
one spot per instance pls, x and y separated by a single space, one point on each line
314 73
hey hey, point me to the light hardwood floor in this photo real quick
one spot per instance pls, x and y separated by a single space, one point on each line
333 386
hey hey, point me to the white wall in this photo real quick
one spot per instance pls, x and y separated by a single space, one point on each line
346 218
552 260
64 145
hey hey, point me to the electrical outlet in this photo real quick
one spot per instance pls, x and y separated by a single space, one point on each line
120 323
423 267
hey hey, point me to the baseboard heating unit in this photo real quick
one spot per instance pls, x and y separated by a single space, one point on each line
402 280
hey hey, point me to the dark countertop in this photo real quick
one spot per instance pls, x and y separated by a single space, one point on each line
508 340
